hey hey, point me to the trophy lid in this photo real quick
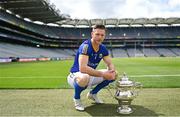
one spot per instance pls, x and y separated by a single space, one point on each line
125 81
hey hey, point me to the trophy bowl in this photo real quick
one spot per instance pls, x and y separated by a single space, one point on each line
126 91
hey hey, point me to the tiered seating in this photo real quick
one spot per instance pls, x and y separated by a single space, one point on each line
134 52
80 33
165 52
118 52
13 50
176 51
149 52
156 41
39 29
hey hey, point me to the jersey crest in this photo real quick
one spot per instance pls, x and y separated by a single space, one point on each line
100 55
85 48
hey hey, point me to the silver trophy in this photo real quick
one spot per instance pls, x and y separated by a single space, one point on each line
126 91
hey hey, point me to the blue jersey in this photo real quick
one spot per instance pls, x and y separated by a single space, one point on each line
94 57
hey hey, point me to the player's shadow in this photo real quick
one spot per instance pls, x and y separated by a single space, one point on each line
111 110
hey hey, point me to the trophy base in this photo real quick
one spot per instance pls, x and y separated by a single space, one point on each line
124 111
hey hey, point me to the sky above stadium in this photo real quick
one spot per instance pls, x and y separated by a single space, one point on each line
103 9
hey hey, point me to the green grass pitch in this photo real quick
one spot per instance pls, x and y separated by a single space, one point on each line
159 76
151 72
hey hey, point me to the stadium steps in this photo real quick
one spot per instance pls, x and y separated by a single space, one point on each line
14 50
158 52
176 51
127 53
118 52
149 52
132 52
165 52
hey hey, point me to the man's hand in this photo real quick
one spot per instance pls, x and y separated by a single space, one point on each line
117 74
109 75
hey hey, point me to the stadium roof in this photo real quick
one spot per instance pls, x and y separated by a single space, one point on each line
36 10
118 22
44 11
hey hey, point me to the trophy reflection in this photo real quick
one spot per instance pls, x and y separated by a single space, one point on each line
126 91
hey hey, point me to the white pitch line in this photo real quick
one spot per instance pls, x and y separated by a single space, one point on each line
55 77
154 75
44 77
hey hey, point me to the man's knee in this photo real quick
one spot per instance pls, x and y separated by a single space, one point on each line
83 80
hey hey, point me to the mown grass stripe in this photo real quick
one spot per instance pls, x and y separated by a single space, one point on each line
65 77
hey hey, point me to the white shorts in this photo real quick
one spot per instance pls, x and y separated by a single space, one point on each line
92 81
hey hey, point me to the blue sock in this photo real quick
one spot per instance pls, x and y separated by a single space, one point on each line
78 90
100 86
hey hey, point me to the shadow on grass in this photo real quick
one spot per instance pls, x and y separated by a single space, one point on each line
111 110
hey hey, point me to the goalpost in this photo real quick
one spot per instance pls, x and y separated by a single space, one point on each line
140 46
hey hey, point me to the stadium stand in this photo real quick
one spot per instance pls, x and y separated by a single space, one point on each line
165 52
118 52
25 38
176 51
150 52
21 51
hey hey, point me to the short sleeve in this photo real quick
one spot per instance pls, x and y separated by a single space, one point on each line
105 51
84 49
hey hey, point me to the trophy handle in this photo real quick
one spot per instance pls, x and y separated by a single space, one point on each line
138 85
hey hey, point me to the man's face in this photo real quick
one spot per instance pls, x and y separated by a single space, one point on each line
98 35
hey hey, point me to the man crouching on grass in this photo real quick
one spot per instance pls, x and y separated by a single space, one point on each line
83 73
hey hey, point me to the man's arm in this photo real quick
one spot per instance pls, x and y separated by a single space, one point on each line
84 68
108 61
110 65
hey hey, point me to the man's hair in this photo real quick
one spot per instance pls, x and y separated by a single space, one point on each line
99 27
